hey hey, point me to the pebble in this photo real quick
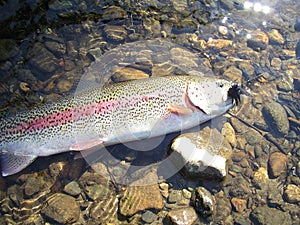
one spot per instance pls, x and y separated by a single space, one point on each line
182 216
175 196
259 40
61 208
114 13
115 33
32 186
126 74
72 188
261 178
276 118
219 43
275 37
234 74
292 193
229 134
277 164
203 202
64 85
149 216
239 204
97 191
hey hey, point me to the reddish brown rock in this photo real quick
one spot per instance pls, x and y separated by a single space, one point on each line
239 204
277 164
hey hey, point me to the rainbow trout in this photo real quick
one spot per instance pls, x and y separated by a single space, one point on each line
111 114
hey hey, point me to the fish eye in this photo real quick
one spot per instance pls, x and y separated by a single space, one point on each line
221 85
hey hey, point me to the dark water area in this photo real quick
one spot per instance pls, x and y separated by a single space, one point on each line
53 49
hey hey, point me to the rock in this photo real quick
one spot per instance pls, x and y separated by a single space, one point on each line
292 193
138 197
64 85
203 202
284 86
32 186
126 74
234 74
239 204
180 56
43 61
104 210
276 118
229 134
296 84
58 49
97 191
114 13
72 188
258 40
175 196
164 189
115 33
275 37
238 156
263 215
218 43
198 158
61 208
276 63
8 49
152 26
260 178
277 164
148 216
180 216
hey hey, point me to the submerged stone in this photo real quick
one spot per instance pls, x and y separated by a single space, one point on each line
179 216
203 201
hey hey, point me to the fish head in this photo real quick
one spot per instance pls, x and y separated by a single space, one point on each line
210 95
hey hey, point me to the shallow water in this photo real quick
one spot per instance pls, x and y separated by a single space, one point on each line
51 49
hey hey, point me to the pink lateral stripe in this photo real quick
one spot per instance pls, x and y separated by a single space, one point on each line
65 116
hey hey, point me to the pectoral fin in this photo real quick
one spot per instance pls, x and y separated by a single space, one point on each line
178 109
86 145
13 163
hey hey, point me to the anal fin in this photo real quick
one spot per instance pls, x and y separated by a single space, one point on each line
13 163
178 109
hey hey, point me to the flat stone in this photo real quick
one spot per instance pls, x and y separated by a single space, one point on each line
126 74
259 40
219 43
276 118
277 164
72 188
8 49
263 215
275 37
149 216
58 49
139 196
114 13
115 33
239 204
32 186
61 208
292 193
182 216
198 157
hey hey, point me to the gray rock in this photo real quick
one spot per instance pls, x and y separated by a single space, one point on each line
97 191
175 196
72 188
179 216
276 118
61 208
149 216
115 33
58 49
203 201
8 49
263 215
114 13
200 158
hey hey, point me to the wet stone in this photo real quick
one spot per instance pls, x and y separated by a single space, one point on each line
58 49
32 186
97 191
258 41
277 164
175 196
234 74
260 178
72 188
126 74
275 37
148 216
276 118
263 215
114 13
64 85
239 204
197 159
203 202
292 193
8 49
115 33
61 208
179 216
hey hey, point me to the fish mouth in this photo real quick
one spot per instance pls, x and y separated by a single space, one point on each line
235 92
